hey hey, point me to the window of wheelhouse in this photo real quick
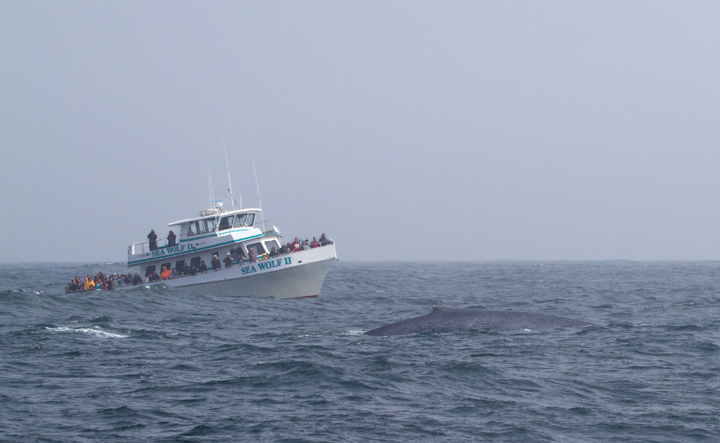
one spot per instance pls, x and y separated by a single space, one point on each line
250 220
210 222
225 223
240 220
193 230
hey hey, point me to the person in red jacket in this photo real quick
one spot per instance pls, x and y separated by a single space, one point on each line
165 274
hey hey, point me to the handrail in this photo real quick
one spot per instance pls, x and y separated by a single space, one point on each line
272 230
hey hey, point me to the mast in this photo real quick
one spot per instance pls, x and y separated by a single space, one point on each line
232 197
227 164
210 189
262 214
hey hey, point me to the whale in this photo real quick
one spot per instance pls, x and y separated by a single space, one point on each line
442 320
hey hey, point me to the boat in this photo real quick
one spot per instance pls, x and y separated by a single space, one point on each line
218 232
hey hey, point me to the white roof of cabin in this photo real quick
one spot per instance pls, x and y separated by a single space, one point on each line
221 214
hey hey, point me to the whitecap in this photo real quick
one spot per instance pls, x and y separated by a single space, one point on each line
95 330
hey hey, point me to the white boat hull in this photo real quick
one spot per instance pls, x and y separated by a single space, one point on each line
297 275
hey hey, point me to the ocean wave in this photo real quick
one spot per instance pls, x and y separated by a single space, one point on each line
95 331
211 368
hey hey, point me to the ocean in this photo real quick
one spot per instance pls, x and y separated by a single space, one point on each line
167 365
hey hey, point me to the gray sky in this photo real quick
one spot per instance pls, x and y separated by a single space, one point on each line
404 130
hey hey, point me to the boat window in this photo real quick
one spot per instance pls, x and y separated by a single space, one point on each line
225 223
195 261
210 224
192 230
272 244
179 265
250 220
258 247
237 254
240 220
149 270
202 227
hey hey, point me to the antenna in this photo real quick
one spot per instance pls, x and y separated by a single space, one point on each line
210 187
262 214
227 164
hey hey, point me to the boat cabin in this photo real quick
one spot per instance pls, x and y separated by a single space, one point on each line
214 232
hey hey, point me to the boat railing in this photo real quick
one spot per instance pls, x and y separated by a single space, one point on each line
267 227
143 247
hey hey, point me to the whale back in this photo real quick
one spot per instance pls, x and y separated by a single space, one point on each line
442 320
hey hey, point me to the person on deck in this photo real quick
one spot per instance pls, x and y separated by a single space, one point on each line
73 286
89 283
187 270
240 254
314 243
273 252
171 239
228 261
115 281
203 266
153 276
215 263
323 240
137 279
253 255
152 239
128 279
296 245
165 274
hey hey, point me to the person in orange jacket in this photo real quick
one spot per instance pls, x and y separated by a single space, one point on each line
165 274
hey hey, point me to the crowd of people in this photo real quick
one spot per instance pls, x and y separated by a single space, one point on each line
102 282
298 245
109 282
